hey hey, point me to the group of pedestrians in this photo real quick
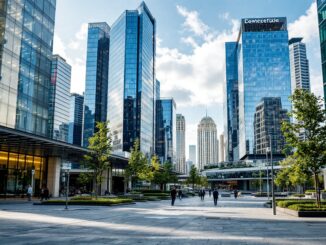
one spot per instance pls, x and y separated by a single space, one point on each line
201 193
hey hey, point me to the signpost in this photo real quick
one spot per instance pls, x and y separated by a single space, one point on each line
66 167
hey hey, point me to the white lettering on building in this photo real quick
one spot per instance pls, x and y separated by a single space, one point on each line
261 21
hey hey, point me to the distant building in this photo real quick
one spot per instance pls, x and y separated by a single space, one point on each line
59 98
165 146
131 93
192 154
189 163
76 119
96 87
268 119
207 142
221 149
321 5
181 144
299 65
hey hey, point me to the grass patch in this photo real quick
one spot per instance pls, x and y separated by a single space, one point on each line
91 201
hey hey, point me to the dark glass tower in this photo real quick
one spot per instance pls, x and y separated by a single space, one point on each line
321 4
96 87
263 68
131 93
231 103
76 119
59 99
26 35
165 144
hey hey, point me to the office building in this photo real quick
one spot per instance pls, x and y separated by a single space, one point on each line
131 102
96 84
207 142
221 153
165 145
76 119
231 103
267 123
321 5
189 164
299 65
181 144
59 98
192 154
263 71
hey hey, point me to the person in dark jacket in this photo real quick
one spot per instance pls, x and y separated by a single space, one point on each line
180 194
215 196
173 196
235 194
203 194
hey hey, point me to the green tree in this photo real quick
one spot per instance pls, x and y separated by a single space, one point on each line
165 175
310 117
97 159
194 177
138 167
203 181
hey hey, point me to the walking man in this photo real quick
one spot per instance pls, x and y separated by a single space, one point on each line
180 194
215 196
173 196
235 193
203 194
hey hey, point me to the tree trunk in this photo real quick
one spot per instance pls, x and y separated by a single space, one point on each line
316 179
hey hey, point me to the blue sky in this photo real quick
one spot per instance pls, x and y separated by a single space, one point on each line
190 48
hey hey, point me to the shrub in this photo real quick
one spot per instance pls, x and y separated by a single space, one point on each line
298 195
307 207
153 191
156 194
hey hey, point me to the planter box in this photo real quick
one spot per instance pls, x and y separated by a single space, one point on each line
301 213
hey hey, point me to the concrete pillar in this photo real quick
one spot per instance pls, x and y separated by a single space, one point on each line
110 180
53 181
104 184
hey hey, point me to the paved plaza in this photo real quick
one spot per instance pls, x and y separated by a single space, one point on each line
190 221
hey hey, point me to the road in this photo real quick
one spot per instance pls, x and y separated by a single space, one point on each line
190 221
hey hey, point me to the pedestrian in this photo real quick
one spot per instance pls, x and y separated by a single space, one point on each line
215 196
173 196
209 192
200 194
29 192
235 194
46 193
203 194
180 194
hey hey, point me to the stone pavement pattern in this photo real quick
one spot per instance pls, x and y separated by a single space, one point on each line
190 221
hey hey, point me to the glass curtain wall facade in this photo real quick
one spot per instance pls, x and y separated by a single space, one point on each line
231 103
26 36
181 144
165 145
96 87
76 119
59 99
321 5
132 80
263 71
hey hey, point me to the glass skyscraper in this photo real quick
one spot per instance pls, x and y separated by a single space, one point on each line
321 5
75 119
181 144
59 99
26 36
165 144
263 71
96 87
131 102
231 102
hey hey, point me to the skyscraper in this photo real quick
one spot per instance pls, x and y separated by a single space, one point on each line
299 65
59 98
131 93
96 84
231 103
263 71
267 123
192 154
26 35
165 145
181 144
221 155
321 5
207 142
76 119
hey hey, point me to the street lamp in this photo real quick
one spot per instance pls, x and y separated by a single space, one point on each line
270 149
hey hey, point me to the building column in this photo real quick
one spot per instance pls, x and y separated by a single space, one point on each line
53 181
110 180
104 184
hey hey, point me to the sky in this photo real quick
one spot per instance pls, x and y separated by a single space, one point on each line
190 60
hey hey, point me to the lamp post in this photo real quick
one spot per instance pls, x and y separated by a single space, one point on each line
267 173
273 194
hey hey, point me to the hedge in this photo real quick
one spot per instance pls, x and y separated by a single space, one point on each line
307 207
287 203
99 201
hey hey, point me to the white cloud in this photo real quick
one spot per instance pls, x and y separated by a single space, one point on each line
192 21
58 46
80 37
